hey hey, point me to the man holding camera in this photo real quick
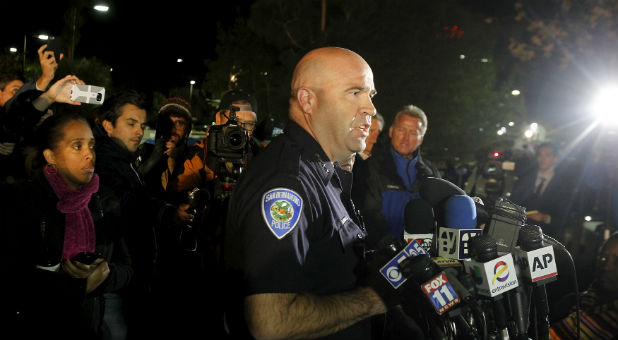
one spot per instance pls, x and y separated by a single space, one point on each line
293 240
200 167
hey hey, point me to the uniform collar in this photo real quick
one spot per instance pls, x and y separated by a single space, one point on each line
311 150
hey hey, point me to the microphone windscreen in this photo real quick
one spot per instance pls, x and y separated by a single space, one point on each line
436 190
530 237
460 212
419 217
483 248
421 268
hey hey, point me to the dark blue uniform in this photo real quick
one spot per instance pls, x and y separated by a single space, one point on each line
292 226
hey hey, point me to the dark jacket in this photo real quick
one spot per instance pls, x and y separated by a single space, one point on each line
555 201
143 219
127 200
385 192
51 304
18 119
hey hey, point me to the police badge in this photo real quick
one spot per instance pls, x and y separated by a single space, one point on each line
281 209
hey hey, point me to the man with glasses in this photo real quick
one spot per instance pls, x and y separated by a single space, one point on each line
162 162
394 172
196 170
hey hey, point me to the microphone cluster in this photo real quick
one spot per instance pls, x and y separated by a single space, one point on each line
476 272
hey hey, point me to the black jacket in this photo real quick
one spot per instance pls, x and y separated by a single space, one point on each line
49 304
382 179
556 200
127 200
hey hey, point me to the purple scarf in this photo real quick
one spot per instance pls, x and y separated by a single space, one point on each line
79 234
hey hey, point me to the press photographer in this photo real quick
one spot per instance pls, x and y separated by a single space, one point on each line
217 161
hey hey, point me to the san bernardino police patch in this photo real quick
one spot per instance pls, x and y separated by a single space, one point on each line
281 209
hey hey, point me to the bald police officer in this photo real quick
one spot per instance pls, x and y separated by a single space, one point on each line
292 232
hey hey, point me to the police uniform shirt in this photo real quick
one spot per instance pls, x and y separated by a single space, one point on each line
291 224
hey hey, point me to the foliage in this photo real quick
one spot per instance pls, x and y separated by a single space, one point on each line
574 45
414 58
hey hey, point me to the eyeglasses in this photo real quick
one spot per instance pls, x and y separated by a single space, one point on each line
249 126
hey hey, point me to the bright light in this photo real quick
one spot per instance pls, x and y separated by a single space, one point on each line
588 218
43 37
111 69
484 60
496 154
605 106
534 127
528 134
13 49
192 82
511 123
101 8
515 92
462 57
179 60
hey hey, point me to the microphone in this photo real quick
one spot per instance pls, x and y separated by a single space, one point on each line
437 190
540 269
460 212
420 223
391 245
433 282
537 260
445 293
494 275
460 226
505 220
479 328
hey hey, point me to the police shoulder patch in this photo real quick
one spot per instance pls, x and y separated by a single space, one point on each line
281 209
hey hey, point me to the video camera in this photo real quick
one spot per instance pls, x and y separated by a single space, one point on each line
493 177
228 148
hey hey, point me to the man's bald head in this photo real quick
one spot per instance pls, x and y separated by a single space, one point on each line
331 98
317 66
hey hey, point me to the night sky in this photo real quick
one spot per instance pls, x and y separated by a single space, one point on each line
140 42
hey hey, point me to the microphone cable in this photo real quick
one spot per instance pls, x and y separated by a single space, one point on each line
555 242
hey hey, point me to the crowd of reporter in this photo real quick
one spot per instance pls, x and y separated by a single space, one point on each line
149 221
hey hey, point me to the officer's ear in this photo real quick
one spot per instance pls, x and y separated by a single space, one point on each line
306 99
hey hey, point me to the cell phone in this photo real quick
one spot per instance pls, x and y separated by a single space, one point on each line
86 257
88 94
54 44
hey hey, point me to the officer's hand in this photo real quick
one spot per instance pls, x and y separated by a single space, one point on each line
371 277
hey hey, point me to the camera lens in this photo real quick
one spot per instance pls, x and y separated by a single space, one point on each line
235 138
99 96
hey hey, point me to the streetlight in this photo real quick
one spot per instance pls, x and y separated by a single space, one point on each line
12 49
101 8
605 106
192 82
515 92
